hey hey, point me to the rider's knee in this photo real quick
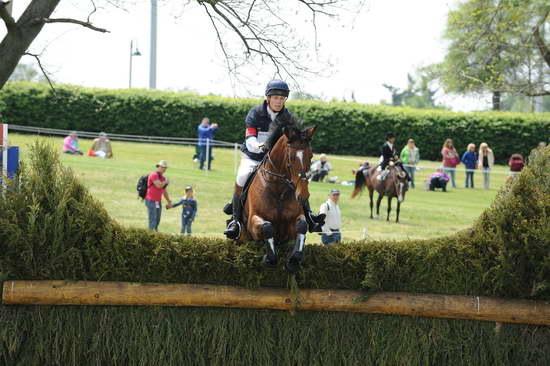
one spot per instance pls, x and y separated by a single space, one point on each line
267 230
301 226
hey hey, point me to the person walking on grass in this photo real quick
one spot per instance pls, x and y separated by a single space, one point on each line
450 160
516 164
156 189
410 157
206 133
333 222
486 160
188 212
469 159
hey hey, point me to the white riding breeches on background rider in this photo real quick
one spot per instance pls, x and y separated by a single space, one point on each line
245 169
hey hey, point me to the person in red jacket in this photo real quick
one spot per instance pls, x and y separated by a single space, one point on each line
516 164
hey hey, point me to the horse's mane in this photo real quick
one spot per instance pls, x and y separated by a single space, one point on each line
276 129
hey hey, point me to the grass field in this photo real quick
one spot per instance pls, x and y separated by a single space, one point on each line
424 214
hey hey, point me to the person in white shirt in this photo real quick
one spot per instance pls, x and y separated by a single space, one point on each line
333 222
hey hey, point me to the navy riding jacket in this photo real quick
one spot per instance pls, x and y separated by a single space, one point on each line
258 120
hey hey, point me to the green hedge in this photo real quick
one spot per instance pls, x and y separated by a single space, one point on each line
52 228
344 128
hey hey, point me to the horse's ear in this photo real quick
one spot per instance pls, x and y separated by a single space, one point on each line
289 132
310 131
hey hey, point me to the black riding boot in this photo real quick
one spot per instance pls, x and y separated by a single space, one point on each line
314 222
234 226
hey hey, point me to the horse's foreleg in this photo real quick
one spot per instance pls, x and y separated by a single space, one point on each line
262 230
297 256
371 197
398 209
389 208
380 196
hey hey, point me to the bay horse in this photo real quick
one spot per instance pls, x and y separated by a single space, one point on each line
395 185
273 212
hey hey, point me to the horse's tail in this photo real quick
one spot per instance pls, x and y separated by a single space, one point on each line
360 182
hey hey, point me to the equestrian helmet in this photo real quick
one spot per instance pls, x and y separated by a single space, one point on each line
390 135
277 87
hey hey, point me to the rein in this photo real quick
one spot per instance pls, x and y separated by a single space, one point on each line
283 178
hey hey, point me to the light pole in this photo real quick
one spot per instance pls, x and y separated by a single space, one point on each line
153 54
132 54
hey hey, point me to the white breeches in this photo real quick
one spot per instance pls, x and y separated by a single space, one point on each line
246 167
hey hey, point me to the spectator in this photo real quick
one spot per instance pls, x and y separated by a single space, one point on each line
438 180
188 212
70 144
101 147
410 157
320 168
206 133
469 159
450 160
486 162
156 188
516 164
333 222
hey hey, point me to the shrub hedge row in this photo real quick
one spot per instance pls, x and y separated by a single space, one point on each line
52 228
344 128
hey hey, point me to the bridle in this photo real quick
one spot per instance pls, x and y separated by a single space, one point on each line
302 174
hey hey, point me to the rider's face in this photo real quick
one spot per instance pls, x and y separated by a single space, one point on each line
276 102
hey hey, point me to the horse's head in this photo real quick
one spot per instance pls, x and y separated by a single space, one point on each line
298 155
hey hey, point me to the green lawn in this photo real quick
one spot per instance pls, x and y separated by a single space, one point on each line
424 214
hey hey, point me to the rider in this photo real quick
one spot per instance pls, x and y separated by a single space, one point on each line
258 123
389 157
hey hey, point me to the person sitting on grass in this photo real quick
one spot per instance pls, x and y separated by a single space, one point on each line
189 211
319 169
439 180
70 144
101 147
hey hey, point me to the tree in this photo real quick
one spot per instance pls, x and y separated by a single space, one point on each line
263 29
26 72
418 93
497 46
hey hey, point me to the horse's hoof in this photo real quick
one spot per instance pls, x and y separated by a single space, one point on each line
293 264
292 267
269 261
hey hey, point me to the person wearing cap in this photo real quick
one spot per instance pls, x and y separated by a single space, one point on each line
70 144
269 116
333 222
206 132
101 147
188 212
156 189
319 169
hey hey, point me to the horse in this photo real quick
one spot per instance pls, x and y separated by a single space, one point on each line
273 212
395 185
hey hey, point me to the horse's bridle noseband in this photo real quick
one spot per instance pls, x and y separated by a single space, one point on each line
284 179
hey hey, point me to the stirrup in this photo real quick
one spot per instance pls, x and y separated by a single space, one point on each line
233 230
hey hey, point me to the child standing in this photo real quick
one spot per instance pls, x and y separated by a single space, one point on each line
189 210
469 158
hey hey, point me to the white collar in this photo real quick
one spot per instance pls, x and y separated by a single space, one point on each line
271 113
390 144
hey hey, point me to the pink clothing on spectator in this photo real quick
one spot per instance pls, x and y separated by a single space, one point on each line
153 192
450 157
440 175
68 144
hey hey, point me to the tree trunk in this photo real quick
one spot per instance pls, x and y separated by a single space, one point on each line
496 101
17 41
172 294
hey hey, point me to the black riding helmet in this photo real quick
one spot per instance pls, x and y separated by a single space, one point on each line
277 87
389 135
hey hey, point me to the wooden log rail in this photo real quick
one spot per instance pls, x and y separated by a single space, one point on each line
395 303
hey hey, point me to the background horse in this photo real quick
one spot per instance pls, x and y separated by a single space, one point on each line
395 185
273 212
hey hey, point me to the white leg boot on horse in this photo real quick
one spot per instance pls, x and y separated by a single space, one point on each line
297 255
